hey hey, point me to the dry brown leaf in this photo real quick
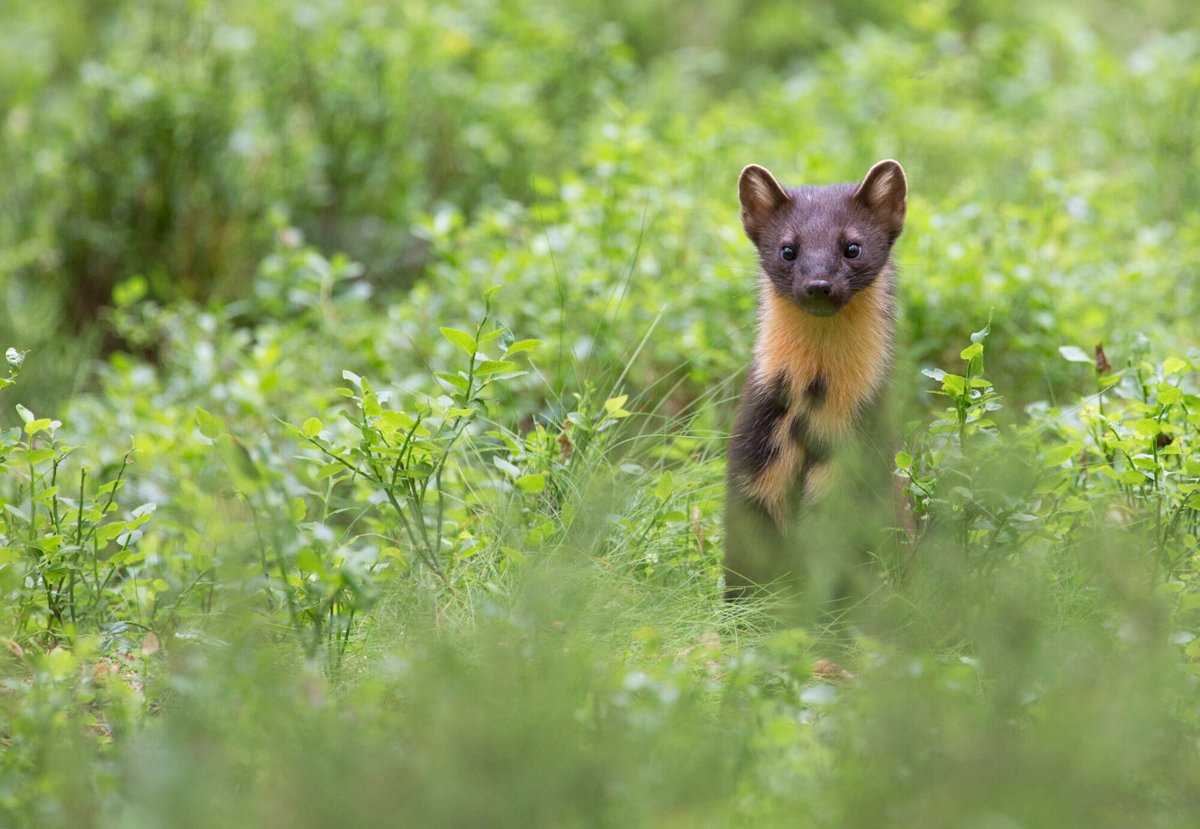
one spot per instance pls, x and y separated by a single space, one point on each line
831 671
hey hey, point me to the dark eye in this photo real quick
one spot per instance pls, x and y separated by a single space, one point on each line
787 252
852 251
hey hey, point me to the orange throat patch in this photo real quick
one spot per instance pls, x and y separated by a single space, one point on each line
847 354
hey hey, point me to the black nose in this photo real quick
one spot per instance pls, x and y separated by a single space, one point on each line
818 288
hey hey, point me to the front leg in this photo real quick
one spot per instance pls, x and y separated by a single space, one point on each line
763 463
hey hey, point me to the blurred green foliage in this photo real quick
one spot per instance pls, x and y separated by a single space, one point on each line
282 519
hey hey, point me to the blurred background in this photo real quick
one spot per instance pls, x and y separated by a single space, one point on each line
217 218
152 150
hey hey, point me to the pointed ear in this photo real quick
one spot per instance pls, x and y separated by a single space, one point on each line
761 196
884 192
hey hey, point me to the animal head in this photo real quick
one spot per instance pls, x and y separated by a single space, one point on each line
819 246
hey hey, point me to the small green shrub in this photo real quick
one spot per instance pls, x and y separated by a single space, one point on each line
68 566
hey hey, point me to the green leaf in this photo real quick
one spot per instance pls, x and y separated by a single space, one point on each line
1060 454
298 510
19 513
459 382
397 421
46 495
107 532
461 339
307 561
1169 395
370 405
533 484
614 406
666 485
51 543
209 426
489 367
329 470
39 456
484 339
904 460
971 352
312 427
1132 477
1145 427
141 514
1075 354
32 427
953 384
522 345
1173 365
25 414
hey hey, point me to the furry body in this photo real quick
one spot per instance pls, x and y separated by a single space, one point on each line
821 361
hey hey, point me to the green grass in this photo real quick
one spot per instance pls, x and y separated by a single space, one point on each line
301 523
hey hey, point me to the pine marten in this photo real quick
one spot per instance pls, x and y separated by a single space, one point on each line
806 465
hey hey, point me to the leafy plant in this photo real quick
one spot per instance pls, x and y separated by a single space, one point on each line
488 598
68 566
951 471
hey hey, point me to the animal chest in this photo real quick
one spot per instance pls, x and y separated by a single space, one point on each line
811 381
